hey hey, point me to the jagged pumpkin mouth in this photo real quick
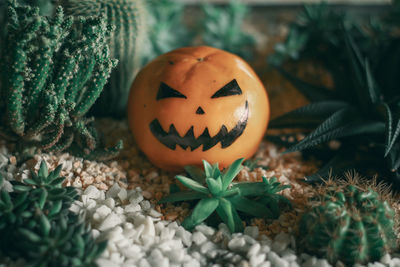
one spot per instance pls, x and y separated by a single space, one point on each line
172 138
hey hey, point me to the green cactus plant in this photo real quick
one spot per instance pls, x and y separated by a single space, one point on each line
217 193
53 71
36 224
128 17
348 224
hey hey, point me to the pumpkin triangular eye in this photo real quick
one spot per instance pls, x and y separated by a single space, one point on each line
165 91
231 88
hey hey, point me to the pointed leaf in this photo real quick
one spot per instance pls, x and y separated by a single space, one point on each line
251 207
192 184
202 211
43 170
394 138
44 225
214 185
196 173
208 169
311 92
308 116
183 196
31 236
229 216
372 87
350 129
231 173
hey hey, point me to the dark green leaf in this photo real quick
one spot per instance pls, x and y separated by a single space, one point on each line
202 211
251 207
308 116
231 173
208 169
43 170
214 185
229 215
31 236
196 173
311 92
192 184
183 196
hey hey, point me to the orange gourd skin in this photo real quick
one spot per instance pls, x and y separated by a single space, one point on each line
197 73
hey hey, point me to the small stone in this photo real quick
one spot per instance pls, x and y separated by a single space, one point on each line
186 236
386 259
132 208
110 202
113 191
265 264
198 238
103 211
289 255
375 264
258 259
145 205
207 246
322 263
254 249
135 197
236 243
122 195
147 194
149 227
111 221
92 192
251 231
281 242
310 262
276 260
206 230
108 263
143 263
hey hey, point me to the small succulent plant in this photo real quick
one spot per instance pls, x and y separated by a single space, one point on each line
216 193
37 226
125 42
362 110
54 70
348 224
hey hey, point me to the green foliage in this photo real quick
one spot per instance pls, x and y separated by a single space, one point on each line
166 29
53 71
223 28
37 226
363 108
218 27
350 225
126 41
252 164
216 193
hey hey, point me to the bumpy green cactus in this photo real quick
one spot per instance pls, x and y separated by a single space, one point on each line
53 71
128 18
350 225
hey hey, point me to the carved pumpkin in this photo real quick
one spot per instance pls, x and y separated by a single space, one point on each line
197 103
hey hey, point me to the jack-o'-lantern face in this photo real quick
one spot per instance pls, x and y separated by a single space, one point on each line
197 103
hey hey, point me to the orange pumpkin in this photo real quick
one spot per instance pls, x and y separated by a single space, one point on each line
197 103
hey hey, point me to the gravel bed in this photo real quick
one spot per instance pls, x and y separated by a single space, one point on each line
119 200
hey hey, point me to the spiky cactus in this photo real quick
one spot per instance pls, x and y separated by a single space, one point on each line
350 225
53 72
128 18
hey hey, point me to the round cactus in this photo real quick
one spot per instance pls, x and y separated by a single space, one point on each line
348 225
128 17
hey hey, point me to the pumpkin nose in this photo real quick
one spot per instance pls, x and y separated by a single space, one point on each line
200 111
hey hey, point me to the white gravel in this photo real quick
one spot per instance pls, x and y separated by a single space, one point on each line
138 237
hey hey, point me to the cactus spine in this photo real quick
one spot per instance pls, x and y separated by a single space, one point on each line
350 225
53 71
128 18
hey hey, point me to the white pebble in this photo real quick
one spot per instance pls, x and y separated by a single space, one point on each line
206 230
144 263
145 205
92 192
276 260
254 249
207 246
256 260
106 263
113 191
149 227
132 208
236 243
322 263
110 202
281 242
186 236
103 211
198 238
386 259
251 231
111 221
375 264
122 195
